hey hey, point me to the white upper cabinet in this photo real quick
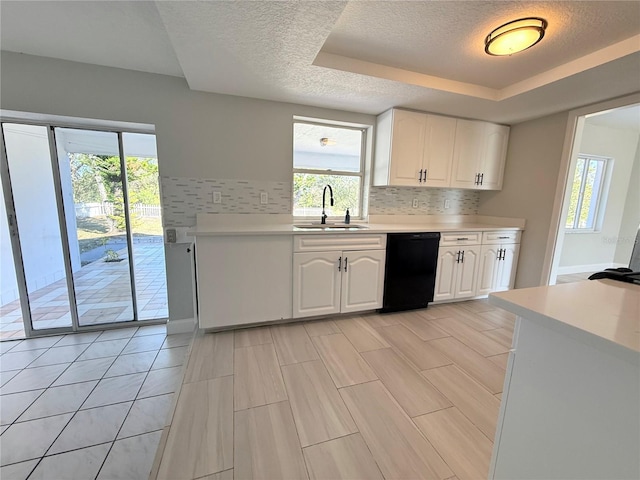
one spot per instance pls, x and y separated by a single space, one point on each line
419 149
479 155
414 149
494 155
439 142
407 148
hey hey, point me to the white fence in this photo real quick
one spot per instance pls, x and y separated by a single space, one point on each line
85 210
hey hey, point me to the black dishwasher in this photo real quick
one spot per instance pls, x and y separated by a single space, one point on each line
410 273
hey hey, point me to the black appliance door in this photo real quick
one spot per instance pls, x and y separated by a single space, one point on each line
410 273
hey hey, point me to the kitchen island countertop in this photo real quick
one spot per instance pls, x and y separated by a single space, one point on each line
603 309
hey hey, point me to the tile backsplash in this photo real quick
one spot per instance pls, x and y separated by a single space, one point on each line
183 198
399 201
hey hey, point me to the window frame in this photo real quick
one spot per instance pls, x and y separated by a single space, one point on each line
360 173
603 193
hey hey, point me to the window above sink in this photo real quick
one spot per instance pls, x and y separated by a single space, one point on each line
328 154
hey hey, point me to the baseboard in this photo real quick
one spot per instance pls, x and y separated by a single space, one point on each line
596 267
183 325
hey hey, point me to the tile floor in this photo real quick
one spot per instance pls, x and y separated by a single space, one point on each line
412 395
103 295
89 405
574 277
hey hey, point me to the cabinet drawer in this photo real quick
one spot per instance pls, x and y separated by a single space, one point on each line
321 242
460 238
495 238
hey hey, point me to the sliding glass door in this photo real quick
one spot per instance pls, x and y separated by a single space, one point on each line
76 251
96 218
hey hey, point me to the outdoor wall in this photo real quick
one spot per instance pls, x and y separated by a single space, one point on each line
8 283
599 248
530 179
631 215
36 210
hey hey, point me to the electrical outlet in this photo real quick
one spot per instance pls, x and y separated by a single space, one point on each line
447 204
171 235
217 197
415 203
264 198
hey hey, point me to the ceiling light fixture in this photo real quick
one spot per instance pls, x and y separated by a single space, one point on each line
324 141
516 36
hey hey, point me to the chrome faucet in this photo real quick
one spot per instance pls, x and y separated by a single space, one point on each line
323 219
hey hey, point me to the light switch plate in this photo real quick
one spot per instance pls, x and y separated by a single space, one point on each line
171 235
217 197
447 203
264 198
414 204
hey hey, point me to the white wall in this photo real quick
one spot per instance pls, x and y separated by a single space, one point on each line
530 178
599 248
631 215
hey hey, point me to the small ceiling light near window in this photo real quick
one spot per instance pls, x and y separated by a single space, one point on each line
324 141
516 36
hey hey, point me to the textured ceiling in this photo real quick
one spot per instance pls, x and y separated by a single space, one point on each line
446 39
358 56
114 34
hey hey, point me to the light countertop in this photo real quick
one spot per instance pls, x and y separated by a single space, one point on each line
377 228
606 309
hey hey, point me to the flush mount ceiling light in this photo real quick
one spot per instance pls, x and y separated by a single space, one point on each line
324 141
516 36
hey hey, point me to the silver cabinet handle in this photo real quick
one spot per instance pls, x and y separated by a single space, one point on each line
339 263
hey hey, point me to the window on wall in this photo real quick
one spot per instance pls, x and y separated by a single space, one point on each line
587 193
325 154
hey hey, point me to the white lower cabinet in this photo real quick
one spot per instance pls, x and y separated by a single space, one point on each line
337 282
243 279
316 283
457 272
362 280
497 267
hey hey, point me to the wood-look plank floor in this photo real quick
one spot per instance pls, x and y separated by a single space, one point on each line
407 395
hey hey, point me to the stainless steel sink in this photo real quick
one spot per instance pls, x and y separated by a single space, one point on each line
331 226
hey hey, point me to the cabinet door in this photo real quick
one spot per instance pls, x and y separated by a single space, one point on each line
316 283
467 153
494 156
439 140
446 273
407 144
466 278
488 269
506 273
362 280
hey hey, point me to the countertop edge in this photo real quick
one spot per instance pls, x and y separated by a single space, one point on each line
590 338
372 229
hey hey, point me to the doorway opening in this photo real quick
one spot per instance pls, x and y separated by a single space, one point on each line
600 213
81 235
